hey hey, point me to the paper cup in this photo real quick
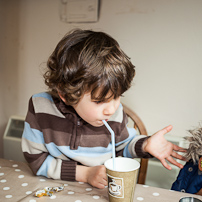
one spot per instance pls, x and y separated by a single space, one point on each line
122 179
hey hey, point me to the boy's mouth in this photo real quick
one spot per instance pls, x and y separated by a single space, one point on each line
101 121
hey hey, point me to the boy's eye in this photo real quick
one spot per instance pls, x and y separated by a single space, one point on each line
97 102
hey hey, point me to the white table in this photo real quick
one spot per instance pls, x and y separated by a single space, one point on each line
17 183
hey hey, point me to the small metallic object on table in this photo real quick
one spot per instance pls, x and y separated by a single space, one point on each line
189 199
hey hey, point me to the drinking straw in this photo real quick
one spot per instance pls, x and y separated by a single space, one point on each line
113 141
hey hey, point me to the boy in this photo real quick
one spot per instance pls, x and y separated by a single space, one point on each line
64 136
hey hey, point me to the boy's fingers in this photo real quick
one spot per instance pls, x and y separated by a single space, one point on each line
174 162
171 160
165 164
100 186
179 149
103 181
178 156
167 129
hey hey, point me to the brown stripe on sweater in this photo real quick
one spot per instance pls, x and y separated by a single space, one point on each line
94 141
58 137
121 132
35 160
56 123
31 119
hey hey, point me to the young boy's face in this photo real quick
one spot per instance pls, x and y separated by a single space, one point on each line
94 112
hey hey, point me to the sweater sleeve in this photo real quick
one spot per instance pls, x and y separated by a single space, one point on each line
132 146
130 143
135 147
38 156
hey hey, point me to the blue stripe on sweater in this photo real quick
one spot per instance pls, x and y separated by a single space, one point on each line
44 167
126 152
32 134
132 133
44 95
56 151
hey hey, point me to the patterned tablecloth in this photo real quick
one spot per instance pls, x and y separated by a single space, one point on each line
17 183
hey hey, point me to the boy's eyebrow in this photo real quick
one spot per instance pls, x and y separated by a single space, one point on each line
104 99
97 96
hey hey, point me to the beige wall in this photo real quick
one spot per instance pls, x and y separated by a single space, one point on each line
162 37
9 37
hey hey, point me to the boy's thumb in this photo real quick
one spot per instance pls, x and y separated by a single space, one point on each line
167 129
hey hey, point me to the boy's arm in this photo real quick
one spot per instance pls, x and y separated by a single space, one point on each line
37 155
128 142
133 145
40 160
153 146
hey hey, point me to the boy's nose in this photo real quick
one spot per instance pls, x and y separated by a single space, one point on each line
110 109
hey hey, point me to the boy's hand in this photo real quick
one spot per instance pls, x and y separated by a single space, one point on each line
163 150
95 176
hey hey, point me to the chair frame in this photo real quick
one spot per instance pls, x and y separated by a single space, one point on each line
138 124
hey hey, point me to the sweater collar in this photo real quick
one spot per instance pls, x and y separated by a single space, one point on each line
67 109
64 108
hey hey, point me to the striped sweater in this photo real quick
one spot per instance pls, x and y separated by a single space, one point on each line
55 139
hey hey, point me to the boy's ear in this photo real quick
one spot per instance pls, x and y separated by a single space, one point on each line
62 98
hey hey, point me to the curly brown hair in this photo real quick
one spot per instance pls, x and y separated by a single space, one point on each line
88 61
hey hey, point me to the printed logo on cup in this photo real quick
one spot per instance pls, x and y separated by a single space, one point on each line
115 186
